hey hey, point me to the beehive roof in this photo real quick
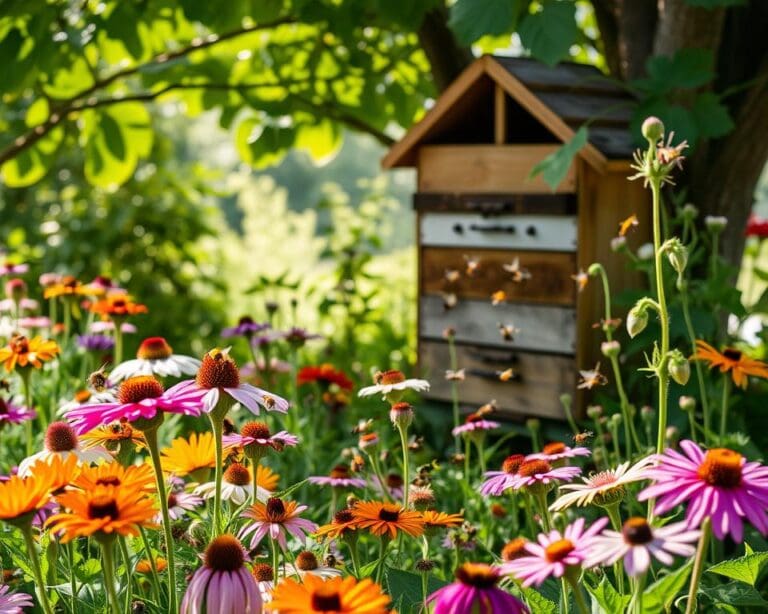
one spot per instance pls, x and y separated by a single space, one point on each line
560 99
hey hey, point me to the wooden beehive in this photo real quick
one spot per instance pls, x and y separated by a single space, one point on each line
474 151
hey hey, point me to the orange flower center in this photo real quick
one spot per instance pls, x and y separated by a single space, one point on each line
558 550
533 467
109 480
275 509
224 553
154 348
637 531
477 574
386 378
402 407
556 447
721 467
512 463
514 549
218 370
306 561
394 480
139 388
263 572
343 516
340 472
368 438
732 354
103 507
326 599
237 474
255 430
389 513
60 437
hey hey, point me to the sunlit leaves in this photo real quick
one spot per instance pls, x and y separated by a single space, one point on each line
549 33
262 145
321 140
471 19
745 569
31 164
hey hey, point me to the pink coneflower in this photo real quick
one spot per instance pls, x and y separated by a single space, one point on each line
218 375
34 322
638 541
14 603
339 478
223 585
277 518
557 450
14 414
155 357
499 481
9 268
179 503
532 473
106 326
24 304
61 440
475 422
475 590
393 484
137 397
554 553
254 439
718 483
246 327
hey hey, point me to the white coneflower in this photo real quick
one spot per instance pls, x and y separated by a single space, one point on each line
61 440
155 357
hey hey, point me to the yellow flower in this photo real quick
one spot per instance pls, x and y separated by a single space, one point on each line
23 352
185 456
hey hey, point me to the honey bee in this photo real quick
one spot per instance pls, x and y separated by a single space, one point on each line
449 300
98 379
472 264
488 408
506 375
452 276
508 331
517 273
498 297
362 426
582 438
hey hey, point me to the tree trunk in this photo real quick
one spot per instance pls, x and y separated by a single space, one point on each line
446 56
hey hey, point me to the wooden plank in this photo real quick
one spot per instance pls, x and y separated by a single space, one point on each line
490 205
549 282
534 390
486 168
500 115
523 232
543 328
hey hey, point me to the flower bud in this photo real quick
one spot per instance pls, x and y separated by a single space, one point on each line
716 223
690 212
646 251
618 244
615 421
687 403
672 436
610 349
533 424
637 320
401 414
594 269
679 367
647 413
678 255
594 411
16 289
652 129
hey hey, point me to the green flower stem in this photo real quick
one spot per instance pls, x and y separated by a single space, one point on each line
217 425
382 555
72 577
403 430
37 571
454 391
67 321
565 607
479 444
699 369
382 481
354 554
546 521
615 516
636 604
108 569
698 565
150 437
275 559
151 559
117 322
724 406
578 596
601 442
424 590
128 573
467 453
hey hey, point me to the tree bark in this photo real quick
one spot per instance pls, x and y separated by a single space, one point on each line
446 56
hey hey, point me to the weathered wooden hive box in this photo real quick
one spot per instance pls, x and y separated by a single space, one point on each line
478 210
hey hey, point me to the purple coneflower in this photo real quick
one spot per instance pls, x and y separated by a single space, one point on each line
555 553
298 336
34 322
9 268
95 343
179 503
475 590
277 518
14 414
534 472
61 440
255 439
140 397
106 326
638 541
155 357
718 483
246 327
499 481
223 585
557 450
338 478
14 603
475 422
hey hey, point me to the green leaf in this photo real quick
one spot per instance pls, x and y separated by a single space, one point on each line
406 590
471 19
262 146
549 33
539 603
607 597
555 166
37 113
745 569
688 68
321 141
31 164
734 594
660 595
712 117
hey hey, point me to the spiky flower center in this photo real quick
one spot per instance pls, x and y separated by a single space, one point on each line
534 467
154 348
558 550
103 507
340 472
306 561
387 378
721 467
368 439
556 447
263 572
255 430
602 479
637 531
245 320
60 437
343 516
139 388
218 370
420 497
512 463
389 513
402 407
237 474
514 549
224 553
394 480
326 599
172 500
275 509
732 354
477 575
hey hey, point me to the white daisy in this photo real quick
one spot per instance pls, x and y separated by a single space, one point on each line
600 484
236 486
155 357
393 383
61 441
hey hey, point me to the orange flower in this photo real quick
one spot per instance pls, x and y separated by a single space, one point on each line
69 286
116 305
21 497
382 518
145 567
334 596
732 360
23 352
105 510
266 478
133 477
441 519
343 521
